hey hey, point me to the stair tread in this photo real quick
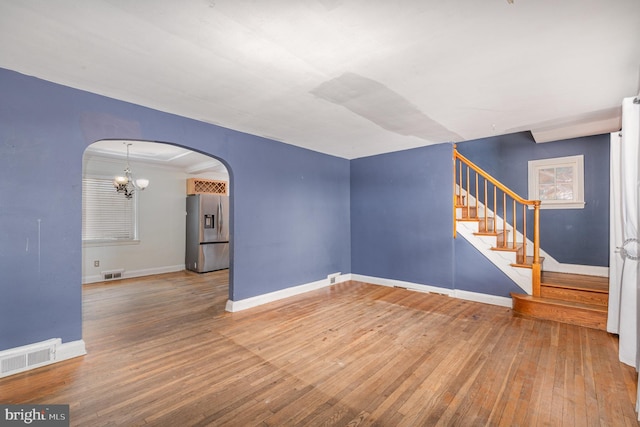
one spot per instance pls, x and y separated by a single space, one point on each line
561 303
575 281
528 263
488 233
508 248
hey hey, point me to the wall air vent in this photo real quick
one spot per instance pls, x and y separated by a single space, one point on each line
112 275
28 357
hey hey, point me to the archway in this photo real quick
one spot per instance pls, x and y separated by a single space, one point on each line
156 241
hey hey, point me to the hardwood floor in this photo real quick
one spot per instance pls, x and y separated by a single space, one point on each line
162 351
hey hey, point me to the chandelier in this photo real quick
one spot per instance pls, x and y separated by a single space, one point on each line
127 184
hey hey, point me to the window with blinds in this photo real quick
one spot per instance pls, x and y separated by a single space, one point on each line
106 214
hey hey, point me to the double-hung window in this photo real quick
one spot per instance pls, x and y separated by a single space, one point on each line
107 216
558 183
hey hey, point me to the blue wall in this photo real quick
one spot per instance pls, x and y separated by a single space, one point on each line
474 273
290 206
401 216
402 224
571 236
297 215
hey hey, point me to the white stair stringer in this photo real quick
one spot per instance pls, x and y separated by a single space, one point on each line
501 259
522 277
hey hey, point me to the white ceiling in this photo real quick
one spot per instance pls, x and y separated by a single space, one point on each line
346 77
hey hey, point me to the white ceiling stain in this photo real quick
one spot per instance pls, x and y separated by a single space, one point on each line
424 71
382 106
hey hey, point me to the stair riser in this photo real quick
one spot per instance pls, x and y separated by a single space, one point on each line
468 213
489 224
500 240
573 316
585 297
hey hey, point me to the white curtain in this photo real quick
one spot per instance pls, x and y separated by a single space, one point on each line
624 208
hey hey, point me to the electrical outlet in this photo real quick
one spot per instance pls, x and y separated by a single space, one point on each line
333 278
96 263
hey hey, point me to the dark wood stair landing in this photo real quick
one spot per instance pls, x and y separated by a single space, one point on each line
569 298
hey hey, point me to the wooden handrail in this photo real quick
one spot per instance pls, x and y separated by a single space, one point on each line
491 179
536 268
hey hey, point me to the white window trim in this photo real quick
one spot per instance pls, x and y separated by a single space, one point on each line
575 162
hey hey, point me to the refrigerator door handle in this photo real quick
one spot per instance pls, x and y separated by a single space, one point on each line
220 219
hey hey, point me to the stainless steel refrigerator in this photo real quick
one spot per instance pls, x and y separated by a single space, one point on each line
207 233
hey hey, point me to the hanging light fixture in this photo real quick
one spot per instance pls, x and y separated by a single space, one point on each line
127 184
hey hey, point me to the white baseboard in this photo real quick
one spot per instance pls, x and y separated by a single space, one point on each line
455 293
401 284
127 274
69 350
244 304
483 298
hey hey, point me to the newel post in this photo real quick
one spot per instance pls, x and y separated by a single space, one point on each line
536 268
455 193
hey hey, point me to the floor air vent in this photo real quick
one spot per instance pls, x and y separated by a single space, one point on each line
28 357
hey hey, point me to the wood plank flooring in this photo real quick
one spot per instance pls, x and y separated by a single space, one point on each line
162 351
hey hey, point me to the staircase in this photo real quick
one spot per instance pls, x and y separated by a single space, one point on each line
568 298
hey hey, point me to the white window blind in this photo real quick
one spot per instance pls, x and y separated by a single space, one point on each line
106 214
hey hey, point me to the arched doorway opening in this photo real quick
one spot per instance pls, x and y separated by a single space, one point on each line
148 236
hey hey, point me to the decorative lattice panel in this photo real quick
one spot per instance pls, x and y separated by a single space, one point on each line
206 186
